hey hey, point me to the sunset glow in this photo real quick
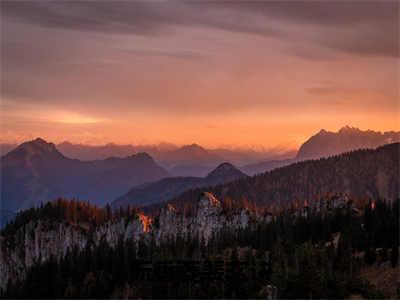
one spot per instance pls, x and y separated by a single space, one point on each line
199 149
203 78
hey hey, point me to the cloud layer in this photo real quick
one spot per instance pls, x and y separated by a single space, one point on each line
142 59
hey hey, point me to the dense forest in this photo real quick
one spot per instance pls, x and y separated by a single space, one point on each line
360 173
314 256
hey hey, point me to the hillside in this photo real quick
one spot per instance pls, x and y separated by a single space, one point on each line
168 188
265 166
361 173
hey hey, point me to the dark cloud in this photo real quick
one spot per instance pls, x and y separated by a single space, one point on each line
97 16
65 51
139 17
373 25
324 13
358 27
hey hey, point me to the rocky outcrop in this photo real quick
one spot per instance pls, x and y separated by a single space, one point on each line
37 241
34 243
208 218
168 188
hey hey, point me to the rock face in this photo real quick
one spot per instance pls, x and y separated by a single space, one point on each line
37 241
207 219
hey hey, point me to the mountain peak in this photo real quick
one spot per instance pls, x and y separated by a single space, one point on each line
36 147
322 131
193 147
349 129
39 140
41 144
226 170
224 167
142 156
193 153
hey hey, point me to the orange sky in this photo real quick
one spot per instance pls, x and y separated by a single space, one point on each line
249 75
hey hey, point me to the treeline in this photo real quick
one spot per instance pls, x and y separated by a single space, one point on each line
306 259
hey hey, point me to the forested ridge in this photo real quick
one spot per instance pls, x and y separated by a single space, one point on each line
315 256
359 174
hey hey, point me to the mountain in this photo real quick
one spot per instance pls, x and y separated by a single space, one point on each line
190 153
189 160
37 172
225 172
189 168
168 188
87 152
326 143
242 157
95 152
359 174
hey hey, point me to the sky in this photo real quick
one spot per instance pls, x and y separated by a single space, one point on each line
226 73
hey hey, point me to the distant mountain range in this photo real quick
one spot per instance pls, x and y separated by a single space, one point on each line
195 160
37 172
168 188
187 160
179 161
359 174
327 143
